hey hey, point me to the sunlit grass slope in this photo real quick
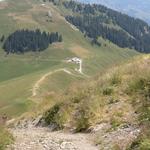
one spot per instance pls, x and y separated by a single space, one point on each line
19 73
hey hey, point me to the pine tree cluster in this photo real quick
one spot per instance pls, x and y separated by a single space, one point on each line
97 20
22 41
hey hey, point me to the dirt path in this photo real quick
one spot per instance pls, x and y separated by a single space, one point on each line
41 80
72 26
44 139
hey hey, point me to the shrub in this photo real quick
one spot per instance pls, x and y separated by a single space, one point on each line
107 91
116 79
140 144
82 121
141 87
50 116
112 100
115 123
137 85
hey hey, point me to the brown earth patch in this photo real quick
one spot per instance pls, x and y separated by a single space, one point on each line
80 51
58 45
23 18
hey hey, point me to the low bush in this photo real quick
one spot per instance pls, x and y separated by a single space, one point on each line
108 91
116 79
51 116
82 121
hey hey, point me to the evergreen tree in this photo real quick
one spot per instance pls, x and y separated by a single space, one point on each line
2 38
94 21
25 40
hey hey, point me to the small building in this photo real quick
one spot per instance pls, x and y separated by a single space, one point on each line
78 61
75 60
49 14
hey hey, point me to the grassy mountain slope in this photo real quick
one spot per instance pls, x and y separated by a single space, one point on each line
118 99
138 9
19 73
96 21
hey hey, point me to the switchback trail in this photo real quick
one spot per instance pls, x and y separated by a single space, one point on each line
41 80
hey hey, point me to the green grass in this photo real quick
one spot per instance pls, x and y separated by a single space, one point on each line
13 68
20 72
58 82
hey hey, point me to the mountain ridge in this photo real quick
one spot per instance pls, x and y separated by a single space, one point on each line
96 21
138 8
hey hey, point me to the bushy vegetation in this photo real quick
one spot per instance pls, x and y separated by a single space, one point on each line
25 40
139 90
52 119
90 103
96 20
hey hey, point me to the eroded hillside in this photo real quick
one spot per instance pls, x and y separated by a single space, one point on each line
113 108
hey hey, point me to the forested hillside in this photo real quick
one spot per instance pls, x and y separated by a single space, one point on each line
26 40
138 8
96 20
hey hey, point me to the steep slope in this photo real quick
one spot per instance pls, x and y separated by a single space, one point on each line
19 73
115 104
96 21
117 86
138 8
112 108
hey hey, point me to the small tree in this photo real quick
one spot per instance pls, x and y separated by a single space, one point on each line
2 38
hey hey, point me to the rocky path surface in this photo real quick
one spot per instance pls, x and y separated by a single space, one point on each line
43 139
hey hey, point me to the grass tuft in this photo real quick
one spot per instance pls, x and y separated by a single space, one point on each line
5 138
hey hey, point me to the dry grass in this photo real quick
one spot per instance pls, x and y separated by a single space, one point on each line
5 138
80 51
87 104
114 98
23 18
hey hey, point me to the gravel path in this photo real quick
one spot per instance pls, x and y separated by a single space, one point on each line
44 139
